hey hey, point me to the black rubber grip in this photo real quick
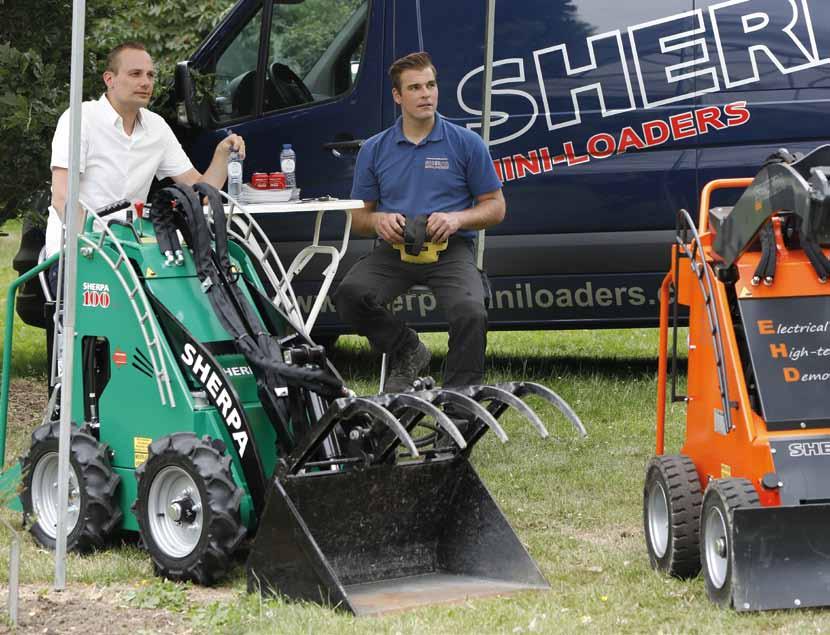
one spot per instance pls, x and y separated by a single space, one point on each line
106 210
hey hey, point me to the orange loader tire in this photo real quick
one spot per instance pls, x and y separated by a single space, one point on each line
721 499
671 515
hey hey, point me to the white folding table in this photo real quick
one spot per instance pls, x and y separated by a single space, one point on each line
285 293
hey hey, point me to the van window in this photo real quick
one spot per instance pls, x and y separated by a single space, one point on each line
235 73
315 51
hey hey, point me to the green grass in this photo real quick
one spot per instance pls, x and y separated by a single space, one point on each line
575 504
29 352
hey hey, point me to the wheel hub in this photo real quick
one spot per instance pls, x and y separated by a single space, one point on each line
175 515
658 520
716 547
44 492
182 510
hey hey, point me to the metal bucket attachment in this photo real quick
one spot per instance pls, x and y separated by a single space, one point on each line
781 557
387 538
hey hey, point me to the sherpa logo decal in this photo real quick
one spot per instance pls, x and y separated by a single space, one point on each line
219 393
96 295
595 65
809 448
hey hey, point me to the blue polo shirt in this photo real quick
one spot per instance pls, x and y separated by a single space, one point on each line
445 172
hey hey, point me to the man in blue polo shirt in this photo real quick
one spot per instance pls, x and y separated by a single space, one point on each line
423 164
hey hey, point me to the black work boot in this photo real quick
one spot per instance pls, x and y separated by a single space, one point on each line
463 420
405 365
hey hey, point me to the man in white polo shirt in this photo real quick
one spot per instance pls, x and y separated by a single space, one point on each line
124 145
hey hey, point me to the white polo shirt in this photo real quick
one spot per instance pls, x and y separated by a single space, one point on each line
115 165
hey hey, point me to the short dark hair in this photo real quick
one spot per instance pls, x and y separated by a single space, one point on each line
414 61
112 56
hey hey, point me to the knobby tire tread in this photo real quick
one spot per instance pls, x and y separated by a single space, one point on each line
212 558
97 480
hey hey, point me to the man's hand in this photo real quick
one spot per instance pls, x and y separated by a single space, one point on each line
217 172
442 225
389 226
228 144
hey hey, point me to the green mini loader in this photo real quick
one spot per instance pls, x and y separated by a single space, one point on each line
206 418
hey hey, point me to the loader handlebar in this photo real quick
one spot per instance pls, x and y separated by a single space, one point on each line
706 195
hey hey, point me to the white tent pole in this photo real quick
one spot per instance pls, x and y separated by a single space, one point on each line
489 36
72 220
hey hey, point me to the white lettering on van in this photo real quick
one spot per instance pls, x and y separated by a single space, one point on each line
704 80
793 39
786 38
592 79
499 118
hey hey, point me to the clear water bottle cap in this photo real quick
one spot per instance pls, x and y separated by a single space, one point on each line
286 146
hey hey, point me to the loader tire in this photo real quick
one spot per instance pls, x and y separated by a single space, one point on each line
671 515
187 509
93 511
721 499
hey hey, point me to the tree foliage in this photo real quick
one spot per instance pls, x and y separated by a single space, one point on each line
35 45
30 102
35 42
307 29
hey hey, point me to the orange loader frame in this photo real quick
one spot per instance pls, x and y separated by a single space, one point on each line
717 505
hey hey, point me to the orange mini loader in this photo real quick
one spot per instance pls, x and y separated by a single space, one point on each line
747 500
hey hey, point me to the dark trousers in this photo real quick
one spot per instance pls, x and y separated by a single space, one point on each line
381 276
52 280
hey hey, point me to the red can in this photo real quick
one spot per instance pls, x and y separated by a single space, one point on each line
259 180
276 181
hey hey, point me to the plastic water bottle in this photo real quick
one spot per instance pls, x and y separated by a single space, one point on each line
234 175
288 166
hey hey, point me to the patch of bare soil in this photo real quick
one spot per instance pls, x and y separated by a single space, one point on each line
27 402
85 609
89 609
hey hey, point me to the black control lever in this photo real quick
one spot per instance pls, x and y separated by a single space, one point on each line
106 210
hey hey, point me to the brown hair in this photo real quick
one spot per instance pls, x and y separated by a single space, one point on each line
413 61
112 56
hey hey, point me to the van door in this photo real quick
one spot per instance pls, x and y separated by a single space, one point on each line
305 73
298 73
772 60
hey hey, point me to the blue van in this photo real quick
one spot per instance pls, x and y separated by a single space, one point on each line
607 118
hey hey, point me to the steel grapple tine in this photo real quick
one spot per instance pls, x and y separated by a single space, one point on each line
469 405
419 404
522 388
502 396
379 413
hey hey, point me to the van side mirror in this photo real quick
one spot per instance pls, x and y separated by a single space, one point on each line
190 109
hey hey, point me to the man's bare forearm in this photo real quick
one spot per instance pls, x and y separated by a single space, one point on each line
60 181
217 172
488 211
482 215
364 219
363 223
